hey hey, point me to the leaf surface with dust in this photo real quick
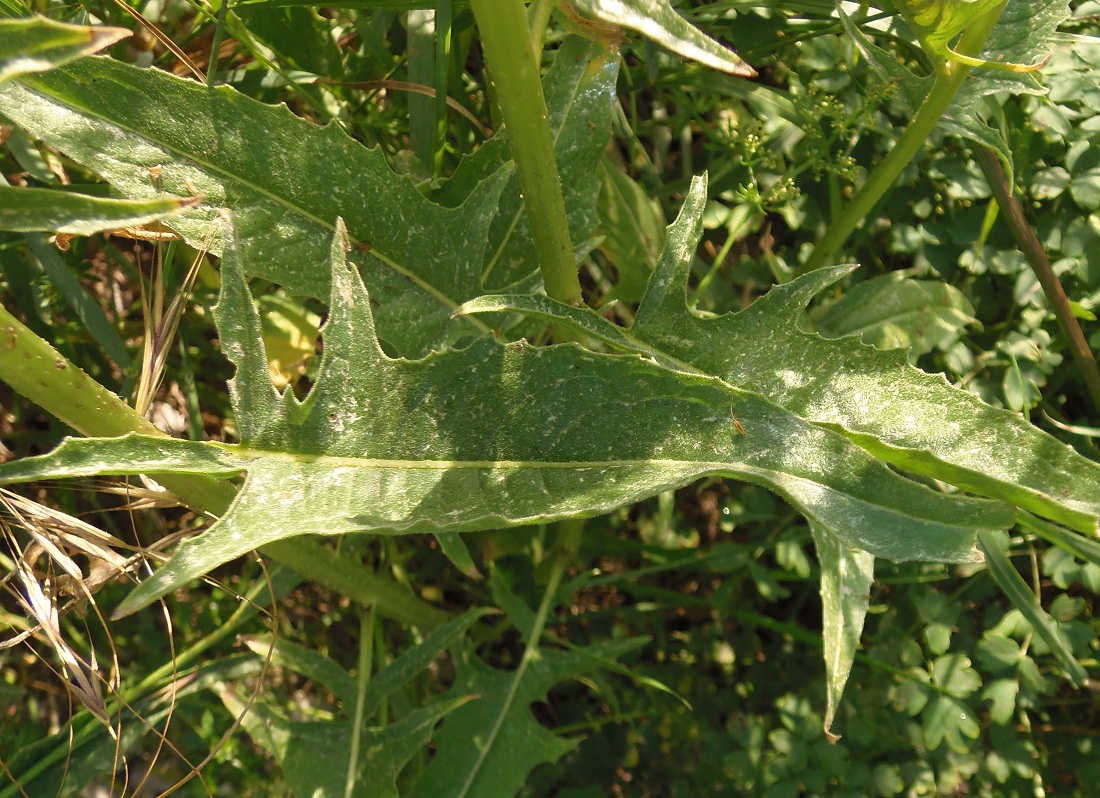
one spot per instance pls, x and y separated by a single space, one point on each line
495 436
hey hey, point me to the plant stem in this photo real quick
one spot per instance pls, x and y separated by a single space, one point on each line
1029 244
950 77
538 17
366 642
514 71
216 45
43 375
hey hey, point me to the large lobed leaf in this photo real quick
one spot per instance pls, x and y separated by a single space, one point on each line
287 180
579 93
494 436
488 746
316 755
875 398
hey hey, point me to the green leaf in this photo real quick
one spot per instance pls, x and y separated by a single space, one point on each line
998 653
262 162
36 44
1014 586
632 226
494 436
400 5
84 306
300 35
398 673
314 665
656 20
1086 548
461 766
27 210
891 312
952 672
580 96
1085 189
1002 695
1022 35
1021 388
908 418
314 754
939 616
1009 49
951 721
846 577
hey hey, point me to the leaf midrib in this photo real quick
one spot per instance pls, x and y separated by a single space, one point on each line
337 461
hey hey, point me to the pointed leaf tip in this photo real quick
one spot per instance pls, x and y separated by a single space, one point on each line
37 44
657 20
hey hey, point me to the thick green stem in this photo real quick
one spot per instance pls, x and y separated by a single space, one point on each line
1029 244
514 71
43 375
950 77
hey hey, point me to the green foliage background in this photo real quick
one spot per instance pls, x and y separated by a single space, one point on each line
687 653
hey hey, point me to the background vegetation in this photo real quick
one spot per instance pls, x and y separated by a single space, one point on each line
687 654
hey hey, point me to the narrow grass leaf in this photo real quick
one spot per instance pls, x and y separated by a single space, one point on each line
86 308
1014 586
1081 546
314 665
